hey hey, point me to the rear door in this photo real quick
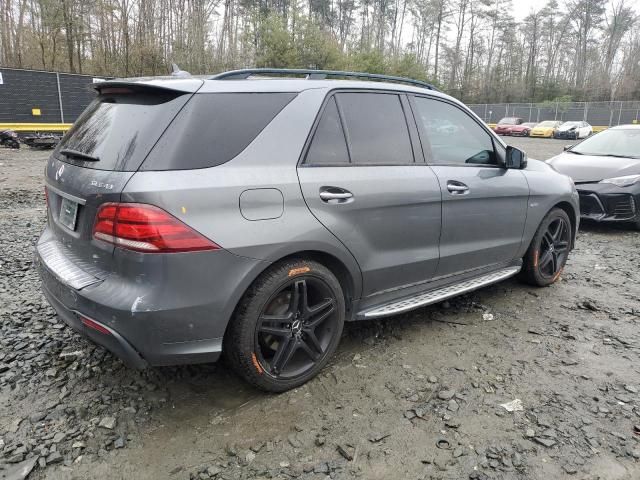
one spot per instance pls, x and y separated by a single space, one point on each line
484 205
364 178
98 156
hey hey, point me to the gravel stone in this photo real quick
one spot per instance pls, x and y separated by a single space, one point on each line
446 394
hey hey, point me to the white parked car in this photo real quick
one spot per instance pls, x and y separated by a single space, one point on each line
573 130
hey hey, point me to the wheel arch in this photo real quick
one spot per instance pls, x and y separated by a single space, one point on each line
337 267
571 212
350 281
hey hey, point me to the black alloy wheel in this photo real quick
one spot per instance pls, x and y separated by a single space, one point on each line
549 250
554 248
287 325
296 327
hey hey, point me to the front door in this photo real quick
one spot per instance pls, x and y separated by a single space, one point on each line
361 180
484 205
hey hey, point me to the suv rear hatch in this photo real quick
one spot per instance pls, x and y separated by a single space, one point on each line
97 157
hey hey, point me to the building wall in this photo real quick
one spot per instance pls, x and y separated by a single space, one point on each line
21 91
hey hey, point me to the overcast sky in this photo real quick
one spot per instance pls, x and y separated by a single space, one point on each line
521 8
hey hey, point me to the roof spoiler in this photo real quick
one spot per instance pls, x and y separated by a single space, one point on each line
166 84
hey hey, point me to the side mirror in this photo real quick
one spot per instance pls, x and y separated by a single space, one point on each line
567 147
515 158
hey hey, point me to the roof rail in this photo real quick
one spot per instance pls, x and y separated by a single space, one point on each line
317 75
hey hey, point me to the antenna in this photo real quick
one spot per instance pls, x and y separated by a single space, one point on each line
176 72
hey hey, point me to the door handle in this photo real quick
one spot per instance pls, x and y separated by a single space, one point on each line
335 195
457 188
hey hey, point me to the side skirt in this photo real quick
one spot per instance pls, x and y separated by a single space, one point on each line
437 295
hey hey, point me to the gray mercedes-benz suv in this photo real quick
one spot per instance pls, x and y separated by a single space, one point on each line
191 217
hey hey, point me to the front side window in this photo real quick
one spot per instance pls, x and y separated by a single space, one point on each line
455 137
376 128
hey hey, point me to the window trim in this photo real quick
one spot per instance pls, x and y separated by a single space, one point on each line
418 155
424 137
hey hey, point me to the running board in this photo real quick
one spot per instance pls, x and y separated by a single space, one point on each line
438 294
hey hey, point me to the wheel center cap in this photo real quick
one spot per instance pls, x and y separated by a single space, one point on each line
296 326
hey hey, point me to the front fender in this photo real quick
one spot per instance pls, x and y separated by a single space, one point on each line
547 189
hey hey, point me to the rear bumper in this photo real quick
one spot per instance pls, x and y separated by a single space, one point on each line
162 310
112 341
609 203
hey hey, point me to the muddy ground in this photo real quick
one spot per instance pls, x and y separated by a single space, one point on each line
415 396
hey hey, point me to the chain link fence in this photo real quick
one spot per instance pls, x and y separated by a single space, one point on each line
602 114
40 96
33 96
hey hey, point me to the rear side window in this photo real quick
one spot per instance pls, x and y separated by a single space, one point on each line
118 129
213 128
328 145
376 128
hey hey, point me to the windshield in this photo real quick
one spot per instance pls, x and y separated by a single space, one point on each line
622 143
508 121
548 123
570 124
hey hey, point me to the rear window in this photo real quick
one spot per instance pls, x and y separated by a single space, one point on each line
118 129
213 128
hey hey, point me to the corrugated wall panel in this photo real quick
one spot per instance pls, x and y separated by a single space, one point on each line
77 93
23 90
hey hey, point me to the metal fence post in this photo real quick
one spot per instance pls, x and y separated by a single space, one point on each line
556 115
584 113
60 98
620 114
610 113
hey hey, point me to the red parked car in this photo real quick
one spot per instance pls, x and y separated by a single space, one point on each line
504 126
523 129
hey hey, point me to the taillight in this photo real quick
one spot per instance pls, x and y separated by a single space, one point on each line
146 228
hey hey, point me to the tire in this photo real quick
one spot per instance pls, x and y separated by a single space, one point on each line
287 326
547 255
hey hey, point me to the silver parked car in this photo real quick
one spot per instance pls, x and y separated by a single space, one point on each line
192 217
606 170
573 130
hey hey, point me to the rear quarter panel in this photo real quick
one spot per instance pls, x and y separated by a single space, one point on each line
209 199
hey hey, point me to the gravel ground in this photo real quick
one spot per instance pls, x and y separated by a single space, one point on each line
418 396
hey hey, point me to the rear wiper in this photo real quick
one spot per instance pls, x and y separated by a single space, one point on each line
68 152
574 152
